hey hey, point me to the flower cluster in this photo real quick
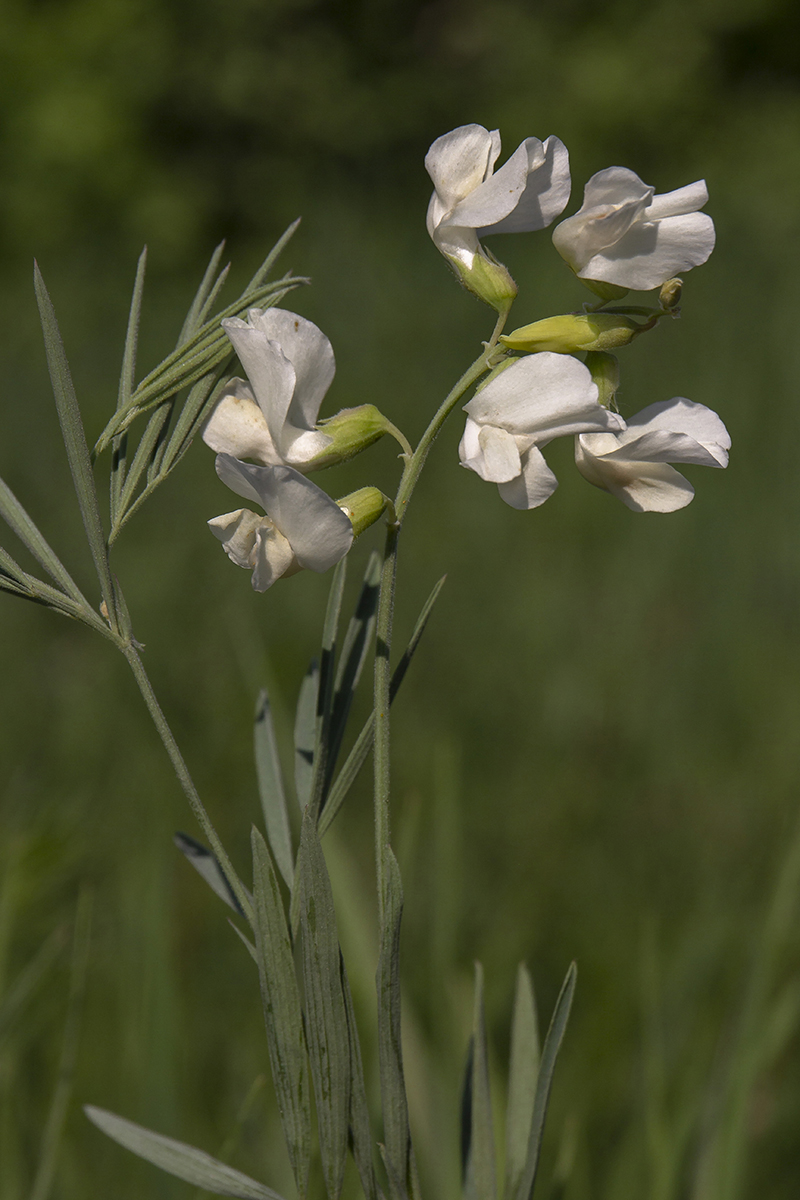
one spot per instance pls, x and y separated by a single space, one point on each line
623 237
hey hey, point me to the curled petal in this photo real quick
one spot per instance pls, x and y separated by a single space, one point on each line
237 426
270 372
311 355
253 542
546 190
680 415
490 452
642 487
533 485
458 162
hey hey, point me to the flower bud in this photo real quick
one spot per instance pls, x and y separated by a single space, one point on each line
604 369
487 279
670 294
351 431
570 333
363 507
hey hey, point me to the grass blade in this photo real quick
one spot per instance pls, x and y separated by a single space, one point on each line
271 790
75 442
481 1175
269 262
326 1016
207 289
126 383
305 734
522 1076
207 866
322 724
396 1132
178 1159
363 743
552 1044
361 1139
21 524
283 1014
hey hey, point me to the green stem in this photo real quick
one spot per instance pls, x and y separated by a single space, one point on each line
184 778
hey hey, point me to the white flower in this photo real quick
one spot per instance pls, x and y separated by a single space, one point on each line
634 465
626 235
305 528
528 192
290 365
523 408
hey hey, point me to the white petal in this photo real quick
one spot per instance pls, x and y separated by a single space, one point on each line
458 243
311 355
613 186
271 374
460 160
239 477
491 201
680 415
546 395
533 485
237 532
272 557
237 426
674 204
652 252
641 486
490 452
546 190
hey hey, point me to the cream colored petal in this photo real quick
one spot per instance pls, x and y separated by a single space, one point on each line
237 426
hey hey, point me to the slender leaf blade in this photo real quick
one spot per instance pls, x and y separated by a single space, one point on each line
126 384
481 1181
361 1139
326 1015
355 649
176 1158
271 790
283 1014
552 1045
305 734
268 263
75 441
396 1131
207 866
522 1076
21 524
206 289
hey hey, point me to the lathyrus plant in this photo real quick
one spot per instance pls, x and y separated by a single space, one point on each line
556 376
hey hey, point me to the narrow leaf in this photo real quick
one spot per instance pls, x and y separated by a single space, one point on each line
361 1139
268 263
206 865
552 1044
271 790
305 733
21 524
522 1075
322 724
29 978
126 383
363 743
74 441
481 1180
194 316
282 1012
398 1152
176 1158
326 1016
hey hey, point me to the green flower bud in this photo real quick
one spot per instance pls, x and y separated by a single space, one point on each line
570 333
351 430
487 279
604 370
670 293
363 507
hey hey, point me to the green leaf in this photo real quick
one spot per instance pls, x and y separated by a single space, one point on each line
326 1015
305 726
322 721
75 442
481 1177
522 1076
26 983
363 743
271 790
396 1132
207 865
176 1158
205 295
552 1044
119 448
361 1139
269 262
283 1014
21 524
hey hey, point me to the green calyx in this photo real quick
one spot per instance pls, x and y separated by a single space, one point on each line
571 333
364 507
604 369
351 431
487 279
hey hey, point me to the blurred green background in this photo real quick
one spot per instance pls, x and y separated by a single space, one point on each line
596 747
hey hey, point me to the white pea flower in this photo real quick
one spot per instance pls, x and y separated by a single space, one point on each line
528 192
290 366
634 465
304 528
627 236
523 408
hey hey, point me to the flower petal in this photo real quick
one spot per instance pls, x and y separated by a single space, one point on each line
271 375
652 252
680 415
546 395
272 557
237 426
546 190
490 452
674 204
533 485
458 162
641 486
491 201
311 355
237 532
